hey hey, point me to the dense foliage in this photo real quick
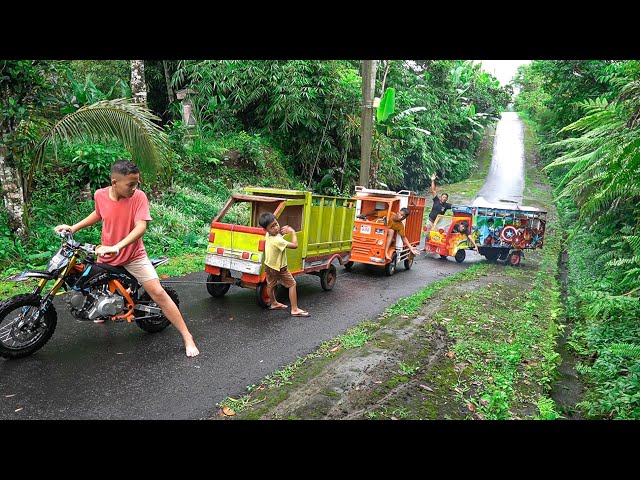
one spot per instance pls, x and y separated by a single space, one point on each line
588 113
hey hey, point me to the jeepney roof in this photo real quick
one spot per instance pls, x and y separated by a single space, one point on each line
481 202
257 198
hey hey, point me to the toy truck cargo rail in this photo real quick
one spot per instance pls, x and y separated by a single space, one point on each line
235 254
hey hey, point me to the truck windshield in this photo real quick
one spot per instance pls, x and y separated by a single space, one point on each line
442 223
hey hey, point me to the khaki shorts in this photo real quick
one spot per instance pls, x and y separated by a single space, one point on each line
142 270
283 276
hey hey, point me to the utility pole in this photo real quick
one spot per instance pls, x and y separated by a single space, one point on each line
368 88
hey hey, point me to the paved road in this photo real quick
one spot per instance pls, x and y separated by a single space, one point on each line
505 181
117 371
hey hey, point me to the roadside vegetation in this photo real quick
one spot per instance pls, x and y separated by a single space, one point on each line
586 114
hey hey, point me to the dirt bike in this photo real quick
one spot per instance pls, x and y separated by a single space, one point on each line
96 291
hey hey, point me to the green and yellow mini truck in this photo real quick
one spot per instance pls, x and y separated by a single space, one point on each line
235 254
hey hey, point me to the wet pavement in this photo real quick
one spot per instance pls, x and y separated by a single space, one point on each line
118 371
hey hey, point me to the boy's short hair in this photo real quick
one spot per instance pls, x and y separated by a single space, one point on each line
266 219
124 167
406 211
444 193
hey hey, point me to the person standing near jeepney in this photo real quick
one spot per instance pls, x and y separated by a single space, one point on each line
440 206
275 263
124 212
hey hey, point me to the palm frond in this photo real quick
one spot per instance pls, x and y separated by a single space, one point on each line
129 122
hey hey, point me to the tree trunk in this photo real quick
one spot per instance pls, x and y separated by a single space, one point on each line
368 87
138 83
386 64
12 193
167 79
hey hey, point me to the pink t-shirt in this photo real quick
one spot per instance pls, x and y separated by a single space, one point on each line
118 220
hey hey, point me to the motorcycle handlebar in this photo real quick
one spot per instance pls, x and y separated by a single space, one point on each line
68 237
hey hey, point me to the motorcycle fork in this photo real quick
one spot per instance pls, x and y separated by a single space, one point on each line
128 315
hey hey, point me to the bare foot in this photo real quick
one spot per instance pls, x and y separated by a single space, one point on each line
191 348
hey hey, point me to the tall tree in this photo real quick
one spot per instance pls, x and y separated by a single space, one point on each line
138 82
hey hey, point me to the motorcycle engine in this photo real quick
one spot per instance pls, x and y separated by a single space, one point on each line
90 307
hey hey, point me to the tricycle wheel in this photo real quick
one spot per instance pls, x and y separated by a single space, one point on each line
504 253
216 289
460 256
328 278
408 263
390 268
262 297
514 259
348 265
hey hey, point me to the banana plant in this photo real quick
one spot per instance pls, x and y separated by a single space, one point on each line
388 119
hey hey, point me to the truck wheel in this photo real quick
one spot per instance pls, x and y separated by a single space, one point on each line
262 296
348 265
216 289
514 259
390 268
443 256
460 256
328 278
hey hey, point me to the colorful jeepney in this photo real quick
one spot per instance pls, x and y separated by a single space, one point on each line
235 254
500 233
370 235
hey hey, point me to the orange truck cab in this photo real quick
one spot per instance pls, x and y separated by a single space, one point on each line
370 235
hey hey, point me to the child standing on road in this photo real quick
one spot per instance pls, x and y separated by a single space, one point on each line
275 263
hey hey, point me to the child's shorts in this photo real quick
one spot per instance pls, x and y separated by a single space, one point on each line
283 276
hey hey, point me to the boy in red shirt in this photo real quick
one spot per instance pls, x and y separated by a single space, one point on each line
124 211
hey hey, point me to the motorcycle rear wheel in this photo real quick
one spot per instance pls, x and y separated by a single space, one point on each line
157 322
17 343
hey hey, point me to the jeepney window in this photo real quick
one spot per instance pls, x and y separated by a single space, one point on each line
259 208
443 223
237 214
292 216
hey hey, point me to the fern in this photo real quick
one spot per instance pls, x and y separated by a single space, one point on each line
626 350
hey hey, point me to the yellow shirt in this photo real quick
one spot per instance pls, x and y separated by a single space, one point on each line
275 251
392 224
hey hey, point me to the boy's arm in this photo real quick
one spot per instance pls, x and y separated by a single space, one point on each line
411 248
137 232
365 215
434 192
91 219
294 239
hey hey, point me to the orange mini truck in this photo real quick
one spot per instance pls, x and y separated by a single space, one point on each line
370 235
235 254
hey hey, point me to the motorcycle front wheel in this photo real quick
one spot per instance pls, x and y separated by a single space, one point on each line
156 322
24 328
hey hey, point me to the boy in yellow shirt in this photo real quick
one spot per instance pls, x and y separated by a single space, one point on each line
275 263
